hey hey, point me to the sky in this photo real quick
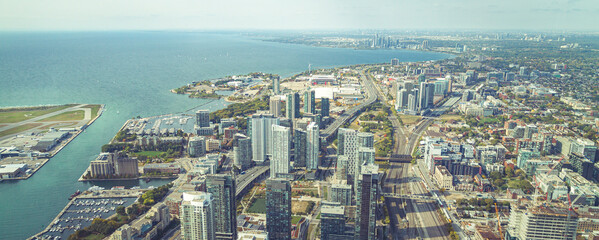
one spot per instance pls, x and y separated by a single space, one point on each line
73 15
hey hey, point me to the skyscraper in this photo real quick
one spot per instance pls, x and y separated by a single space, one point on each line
261 135
276 85
275 106
222 188
197 216
366 155
365 139
242 148
324 107
366 196
427 94
203 118
332 221
300 140
278 209
310 101
293 106
402 99
412 102
281 140
313 147
348 146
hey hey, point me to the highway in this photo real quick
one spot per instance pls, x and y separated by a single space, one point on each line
347 115
243 180
416 216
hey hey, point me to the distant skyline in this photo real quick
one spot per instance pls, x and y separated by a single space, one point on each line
542 15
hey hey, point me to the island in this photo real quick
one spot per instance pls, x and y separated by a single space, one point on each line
30 136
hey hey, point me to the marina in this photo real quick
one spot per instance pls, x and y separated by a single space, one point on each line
83 209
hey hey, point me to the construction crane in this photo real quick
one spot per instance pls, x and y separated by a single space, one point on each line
498 221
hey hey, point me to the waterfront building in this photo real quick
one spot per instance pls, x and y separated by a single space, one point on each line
261 135
324 107
281 140
313 147
278 209
275 106
203 118
197 216
394 62
293 106
300 145
222 188
366 197
114 164
310 101
242 148
332 221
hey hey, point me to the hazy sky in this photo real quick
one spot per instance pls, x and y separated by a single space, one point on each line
299 14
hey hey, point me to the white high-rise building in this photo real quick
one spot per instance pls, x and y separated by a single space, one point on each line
197 216
542 222
275 106
281 140
402 99
413 101
366 155
261 135
348 142
313 146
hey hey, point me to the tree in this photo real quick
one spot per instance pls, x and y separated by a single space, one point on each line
121 210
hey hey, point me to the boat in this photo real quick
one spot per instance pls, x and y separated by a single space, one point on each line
75 195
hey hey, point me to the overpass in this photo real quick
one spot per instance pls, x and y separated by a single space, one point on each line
245 182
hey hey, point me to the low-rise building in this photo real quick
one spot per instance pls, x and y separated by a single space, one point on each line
443 177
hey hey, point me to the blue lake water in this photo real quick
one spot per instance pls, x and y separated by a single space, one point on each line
132 73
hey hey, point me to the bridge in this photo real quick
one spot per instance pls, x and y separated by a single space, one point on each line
396 158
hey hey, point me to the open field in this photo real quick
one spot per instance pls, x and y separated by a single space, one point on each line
149 153
66 116
259 206
301 207
19 129
450 117
14 115
295 219
409 119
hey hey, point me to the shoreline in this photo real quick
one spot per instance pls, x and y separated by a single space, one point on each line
62 145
